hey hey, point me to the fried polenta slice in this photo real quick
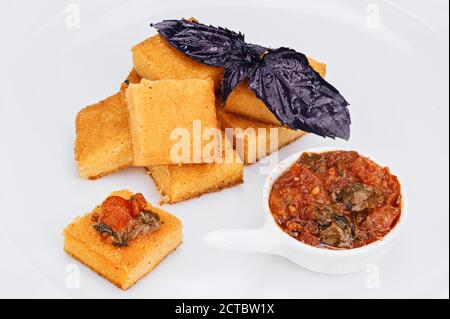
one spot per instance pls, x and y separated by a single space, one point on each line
244 102
246 135
132 78
103 141
157 109
123 266
155 59
181 182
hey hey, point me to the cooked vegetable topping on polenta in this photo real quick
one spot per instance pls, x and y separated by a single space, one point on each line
121 220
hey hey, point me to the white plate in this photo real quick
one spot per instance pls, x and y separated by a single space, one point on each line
393 70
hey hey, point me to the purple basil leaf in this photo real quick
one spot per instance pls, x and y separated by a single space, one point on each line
298 96
258 49
241 63
205 44
232 76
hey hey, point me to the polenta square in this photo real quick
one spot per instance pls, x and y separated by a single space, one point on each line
155 59
181 182
103 141
87 240
162 111
254 140
132 78
244 102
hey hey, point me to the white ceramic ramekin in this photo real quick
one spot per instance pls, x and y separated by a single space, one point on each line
271 239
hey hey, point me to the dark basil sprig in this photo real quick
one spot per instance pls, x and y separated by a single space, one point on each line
205 44
119 239
240 65
104 229
283 79
298 96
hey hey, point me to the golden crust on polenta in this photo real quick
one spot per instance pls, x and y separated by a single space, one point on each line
132 78
103 141
123 266
246 134
181 182
155 59
159 108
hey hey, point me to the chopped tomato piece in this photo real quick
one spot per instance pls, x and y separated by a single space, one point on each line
368 172
138 204
380 220
392 189
116 212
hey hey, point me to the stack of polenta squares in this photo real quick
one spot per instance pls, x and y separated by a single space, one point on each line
167 91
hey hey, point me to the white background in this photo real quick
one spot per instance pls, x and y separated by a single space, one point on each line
394 73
